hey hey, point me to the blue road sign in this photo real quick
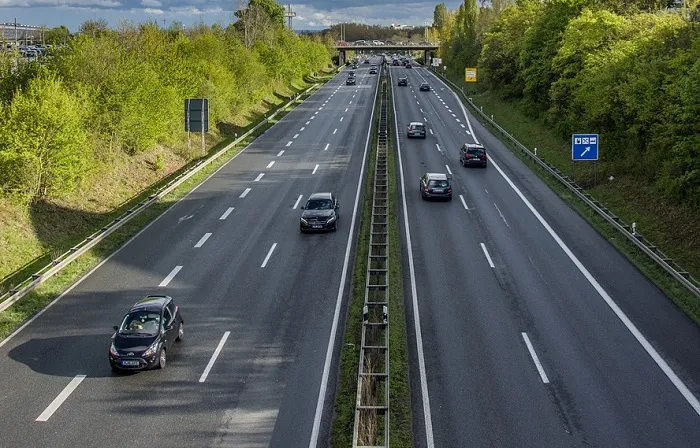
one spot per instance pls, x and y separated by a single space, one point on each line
584 147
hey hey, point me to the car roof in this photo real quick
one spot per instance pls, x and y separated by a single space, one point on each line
424 83
416 123
437 176
321 196
474 145
151 303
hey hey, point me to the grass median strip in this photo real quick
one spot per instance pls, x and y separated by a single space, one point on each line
38 298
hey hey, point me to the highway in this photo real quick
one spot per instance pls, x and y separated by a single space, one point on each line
248 283
523 307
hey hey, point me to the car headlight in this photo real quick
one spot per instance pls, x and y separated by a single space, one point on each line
304 221
330 220
150 351
113 350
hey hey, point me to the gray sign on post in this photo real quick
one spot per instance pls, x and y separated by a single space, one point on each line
197 115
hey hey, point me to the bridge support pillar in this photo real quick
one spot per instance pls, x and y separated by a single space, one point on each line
341 57
426 57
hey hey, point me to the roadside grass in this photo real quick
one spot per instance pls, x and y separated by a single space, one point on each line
673 228
32 236
38 298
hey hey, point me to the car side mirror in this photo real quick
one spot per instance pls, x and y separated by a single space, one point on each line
116 328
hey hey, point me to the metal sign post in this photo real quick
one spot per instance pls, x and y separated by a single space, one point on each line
196 118
584 147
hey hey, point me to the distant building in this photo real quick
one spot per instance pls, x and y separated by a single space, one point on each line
23 34
397 26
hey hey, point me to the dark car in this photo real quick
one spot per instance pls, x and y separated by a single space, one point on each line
473 155
416 129
146 334
321 212
435 185
366 61
395 62
409 65
425 86
373 70
355 65
403 81
350 81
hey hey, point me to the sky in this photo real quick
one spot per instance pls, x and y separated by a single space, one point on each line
311 14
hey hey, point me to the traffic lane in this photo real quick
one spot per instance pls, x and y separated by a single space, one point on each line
466 317
122 309
141 421
522 241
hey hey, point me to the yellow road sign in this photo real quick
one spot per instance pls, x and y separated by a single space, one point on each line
470 74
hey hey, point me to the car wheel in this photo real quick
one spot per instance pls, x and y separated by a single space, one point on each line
162 359
335 225
180 332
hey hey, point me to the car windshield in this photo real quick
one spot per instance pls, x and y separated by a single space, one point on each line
439 183
140 322
319 204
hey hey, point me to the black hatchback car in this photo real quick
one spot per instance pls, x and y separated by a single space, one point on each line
425 86
321 212
416 129
473 155
350 81
435 185
146 334
403 81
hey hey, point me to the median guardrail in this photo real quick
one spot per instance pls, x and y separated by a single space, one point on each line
51 269
630 232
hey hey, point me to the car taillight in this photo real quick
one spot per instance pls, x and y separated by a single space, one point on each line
483 157
449 190
426 189
468 156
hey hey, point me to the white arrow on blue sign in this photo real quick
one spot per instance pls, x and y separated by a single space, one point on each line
584 147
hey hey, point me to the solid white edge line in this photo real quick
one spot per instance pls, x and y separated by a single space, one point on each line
536 359
297 202
58 401
203 240
129 241
280 153
313 442
499 212
448 169
226 213
414 294
315 168
269 165
203 378
170 276
245 193
488 257
260 176
464 203
269 254
658 359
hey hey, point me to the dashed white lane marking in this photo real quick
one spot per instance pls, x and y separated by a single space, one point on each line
245 193
203 378
312 117
425 119
170 276
289 143
280 153
203 240
316 113
260 176
464 203
341 118
488 257
538 364
421 111
269 165
336 130
307 123
458 120
448 169
438 147
58 401
353 96
417 103
327 146
315 168
226 213
320 108
431 132
302 129
454 115
269 254
449 110
464 127
350 102
346 109
296 204
295 135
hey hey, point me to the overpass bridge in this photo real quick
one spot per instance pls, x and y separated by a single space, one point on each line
427 48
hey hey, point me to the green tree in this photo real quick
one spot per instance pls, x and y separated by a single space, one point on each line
58 35
93 28
440 16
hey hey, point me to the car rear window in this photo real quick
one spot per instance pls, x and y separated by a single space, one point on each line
476 151
439 183
415 127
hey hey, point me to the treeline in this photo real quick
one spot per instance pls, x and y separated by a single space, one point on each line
123 90
627 69
358 31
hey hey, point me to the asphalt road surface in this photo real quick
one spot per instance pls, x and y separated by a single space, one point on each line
232 257
522 347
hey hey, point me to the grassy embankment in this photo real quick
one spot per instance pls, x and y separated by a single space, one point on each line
674 228
400 430
31 238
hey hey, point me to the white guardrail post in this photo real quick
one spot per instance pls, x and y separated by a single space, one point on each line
668 264
48 271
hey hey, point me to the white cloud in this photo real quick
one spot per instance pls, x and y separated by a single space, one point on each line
151 3
154 11
60 3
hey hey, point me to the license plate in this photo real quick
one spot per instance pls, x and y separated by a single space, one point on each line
316 227
438 190
129 363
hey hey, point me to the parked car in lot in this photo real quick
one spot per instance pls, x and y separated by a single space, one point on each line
424 87
435 185
472 154
147 334
321 212
403 81
416 129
